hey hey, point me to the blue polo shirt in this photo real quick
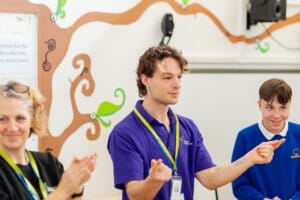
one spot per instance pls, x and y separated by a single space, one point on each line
132 147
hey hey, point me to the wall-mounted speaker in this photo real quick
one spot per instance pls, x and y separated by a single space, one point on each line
265 11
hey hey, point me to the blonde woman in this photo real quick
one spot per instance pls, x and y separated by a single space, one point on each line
27 175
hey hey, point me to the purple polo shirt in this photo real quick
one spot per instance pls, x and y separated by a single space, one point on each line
132 146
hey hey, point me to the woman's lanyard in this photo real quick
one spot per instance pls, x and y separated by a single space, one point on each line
32 191
160 142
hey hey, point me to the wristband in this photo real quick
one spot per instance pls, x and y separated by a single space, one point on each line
75 195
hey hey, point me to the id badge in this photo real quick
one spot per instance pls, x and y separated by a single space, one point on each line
176 187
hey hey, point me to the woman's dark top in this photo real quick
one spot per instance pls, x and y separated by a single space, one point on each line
11 188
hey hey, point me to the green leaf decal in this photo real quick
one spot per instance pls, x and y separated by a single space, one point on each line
107 108
261 48
185 2
59 10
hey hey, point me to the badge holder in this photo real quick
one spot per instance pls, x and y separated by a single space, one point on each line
176 188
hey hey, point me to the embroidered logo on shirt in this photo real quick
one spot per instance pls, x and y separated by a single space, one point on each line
185 142
295 153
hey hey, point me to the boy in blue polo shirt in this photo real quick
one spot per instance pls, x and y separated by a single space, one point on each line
157 153
280 179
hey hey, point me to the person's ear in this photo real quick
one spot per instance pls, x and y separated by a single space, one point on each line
144 79
259 103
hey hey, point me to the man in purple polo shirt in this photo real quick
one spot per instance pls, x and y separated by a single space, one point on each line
157 153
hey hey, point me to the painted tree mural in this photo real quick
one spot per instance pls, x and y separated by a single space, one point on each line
53 43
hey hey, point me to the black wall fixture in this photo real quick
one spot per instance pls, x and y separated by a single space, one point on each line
265 11
167 26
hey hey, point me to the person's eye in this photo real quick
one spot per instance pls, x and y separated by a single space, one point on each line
283 107
21 118
3 119
269 107
167 78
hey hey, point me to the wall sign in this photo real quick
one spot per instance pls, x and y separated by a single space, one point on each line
18 45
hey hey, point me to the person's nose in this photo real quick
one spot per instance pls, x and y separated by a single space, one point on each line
177 83
276 113
12 125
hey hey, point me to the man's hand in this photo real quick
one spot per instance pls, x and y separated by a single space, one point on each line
159 171
264 152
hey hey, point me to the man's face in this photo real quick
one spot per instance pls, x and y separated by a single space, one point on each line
274 114
164 86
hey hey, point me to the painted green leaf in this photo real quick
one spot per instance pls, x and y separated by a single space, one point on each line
261 48
107 108
61 4
185 2
59 10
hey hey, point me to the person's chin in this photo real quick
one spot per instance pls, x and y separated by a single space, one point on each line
173 102
277 129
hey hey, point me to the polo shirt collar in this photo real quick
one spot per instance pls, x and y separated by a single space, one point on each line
148 117
270 135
